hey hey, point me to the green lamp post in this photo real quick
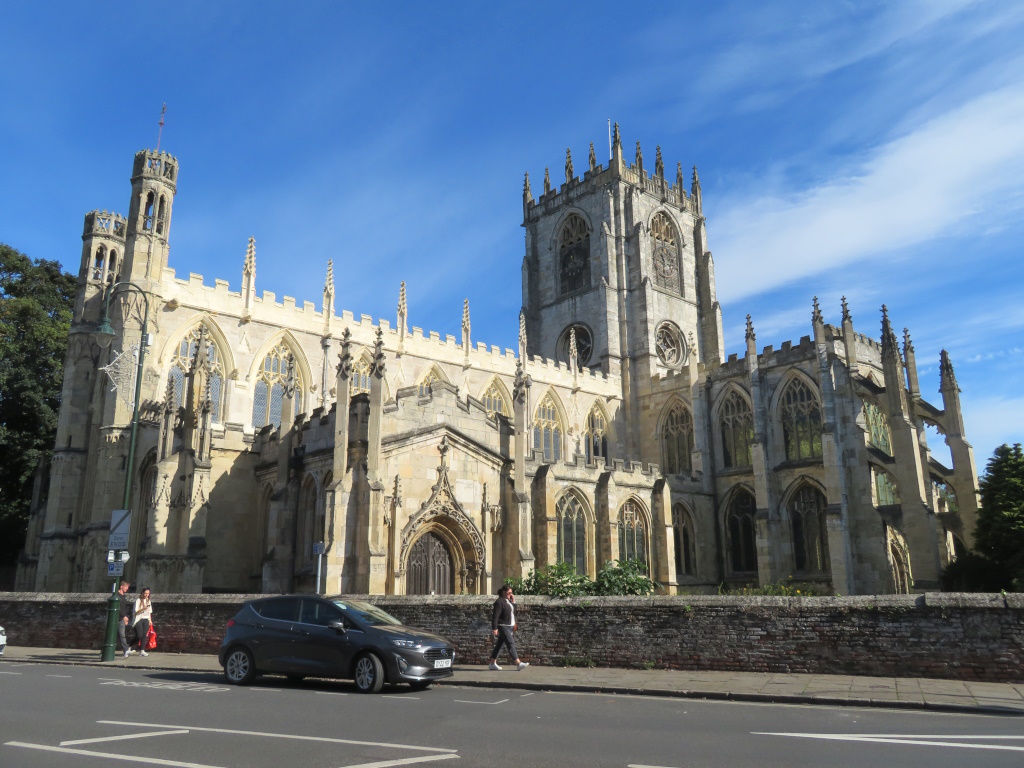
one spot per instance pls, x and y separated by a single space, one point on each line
104 335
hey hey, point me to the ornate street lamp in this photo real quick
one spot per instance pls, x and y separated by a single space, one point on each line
104 335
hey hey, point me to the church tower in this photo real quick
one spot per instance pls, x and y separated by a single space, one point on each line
619 259
154 180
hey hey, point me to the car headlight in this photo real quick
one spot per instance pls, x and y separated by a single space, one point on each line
404 643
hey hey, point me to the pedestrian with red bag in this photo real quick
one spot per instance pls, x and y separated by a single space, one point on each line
143 619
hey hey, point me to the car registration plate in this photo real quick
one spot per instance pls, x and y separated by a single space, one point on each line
442 663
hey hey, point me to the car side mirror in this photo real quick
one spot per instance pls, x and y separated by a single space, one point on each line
338 626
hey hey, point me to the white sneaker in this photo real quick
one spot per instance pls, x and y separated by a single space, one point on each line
144 653
523 665
127 652
494 666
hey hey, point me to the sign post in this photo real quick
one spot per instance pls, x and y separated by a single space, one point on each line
318 550
117 556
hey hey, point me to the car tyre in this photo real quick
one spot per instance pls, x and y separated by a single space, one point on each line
369 674
239 666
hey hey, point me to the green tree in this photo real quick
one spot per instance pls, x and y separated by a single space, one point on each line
36 303
999 535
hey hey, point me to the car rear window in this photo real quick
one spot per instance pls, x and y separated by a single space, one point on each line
283 609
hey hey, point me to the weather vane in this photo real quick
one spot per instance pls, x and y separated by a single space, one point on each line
160 133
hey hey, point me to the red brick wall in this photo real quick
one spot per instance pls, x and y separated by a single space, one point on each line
969 637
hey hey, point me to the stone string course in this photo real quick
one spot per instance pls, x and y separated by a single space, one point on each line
955 636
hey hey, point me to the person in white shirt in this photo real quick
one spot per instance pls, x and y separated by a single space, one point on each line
503 624
143 619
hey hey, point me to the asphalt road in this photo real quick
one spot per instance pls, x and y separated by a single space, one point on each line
64 717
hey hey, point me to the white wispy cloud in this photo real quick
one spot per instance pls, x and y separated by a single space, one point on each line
920 186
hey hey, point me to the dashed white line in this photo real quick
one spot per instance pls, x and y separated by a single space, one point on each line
327 739
10 673
122 737
331 693
525 695
405 761
106 756
461 701
58 675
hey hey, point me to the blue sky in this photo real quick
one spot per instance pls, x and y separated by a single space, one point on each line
873 150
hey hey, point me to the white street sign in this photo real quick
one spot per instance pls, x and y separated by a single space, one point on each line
125 557
115 569
120 528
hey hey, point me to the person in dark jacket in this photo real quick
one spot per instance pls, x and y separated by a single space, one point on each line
124 617
503 624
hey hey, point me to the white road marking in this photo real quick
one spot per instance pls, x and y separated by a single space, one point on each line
126 758
10 673
460 701
330 693
58 675
637 765
121 738
278 736
525 695
400 698
896 739
404 761
257 688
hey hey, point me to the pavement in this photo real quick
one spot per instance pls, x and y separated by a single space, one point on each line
844 690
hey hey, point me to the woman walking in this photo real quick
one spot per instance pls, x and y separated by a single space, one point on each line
503 624
143 619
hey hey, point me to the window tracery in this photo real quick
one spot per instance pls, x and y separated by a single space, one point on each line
584 345
740 527
181 364
360 376
547 431
632 533
571 538
678 440
595 435
877 427
268 393
574 255
494 400
737 422
810 533
666 253
886 492
428 381
801 421
670 346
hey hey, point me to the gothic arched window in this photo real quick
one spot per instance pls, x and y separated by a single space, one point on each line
428 381
810 534
678 440
737 431
574 255
571 539
360 376
666 253
877 427
181 364
595 435
308 520
99 263
632 533
682 531
268 394
494 400
547 431
801 421
740 530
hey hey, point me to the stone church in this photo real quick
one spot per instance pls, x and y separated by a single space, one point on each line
268 431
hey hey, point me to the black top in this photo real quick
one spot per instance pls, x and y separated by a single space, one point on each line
127 606
502 613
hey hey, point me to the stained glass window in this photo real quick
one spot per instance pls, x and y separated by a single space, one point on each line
595 436
494 400
268 391
740 526
877 427
678 439
810 534
682 530
571 524
632 533
360 376
547 431
886 492
737 431
801 421
181 364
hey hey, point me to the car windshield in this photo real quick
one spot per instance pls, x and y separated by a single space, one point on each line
366 613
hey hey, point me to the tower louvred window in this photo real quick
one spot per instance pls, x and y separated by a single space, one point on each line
574 255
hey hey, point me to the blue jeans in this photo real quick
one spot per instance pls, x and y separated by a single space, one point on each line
121 627
504 638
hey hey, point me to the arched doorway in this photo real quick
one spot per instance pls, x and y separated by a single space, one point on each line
430 569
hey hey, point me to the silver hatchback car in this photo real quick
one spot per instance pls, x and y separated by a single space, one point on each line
309 636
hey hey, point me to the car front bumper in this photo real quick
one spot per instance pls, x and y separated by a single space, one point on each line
413 665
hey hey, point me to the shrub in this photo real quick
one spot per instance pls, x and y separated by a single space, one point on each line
788 588
627 577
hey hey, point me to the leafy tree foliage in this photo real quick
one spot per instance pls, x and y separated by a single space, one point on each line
626 577
998 561
36 302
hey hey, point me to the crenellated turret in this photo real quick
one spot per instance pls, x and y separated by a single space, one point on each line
103 243
154 182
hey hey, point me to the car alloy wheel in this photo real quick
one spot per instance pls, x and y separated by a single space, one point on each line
239 667
369 674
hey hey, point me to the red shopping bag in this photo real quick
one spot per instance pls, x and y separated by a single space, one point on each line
151 639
